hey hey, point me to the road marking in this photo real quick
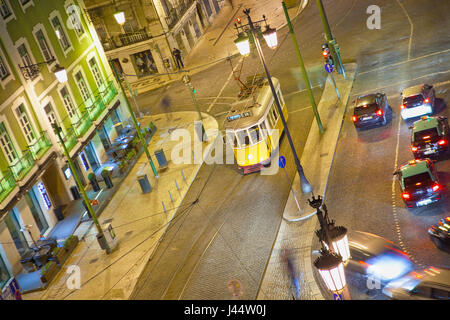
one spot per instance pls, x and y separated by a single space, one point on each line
404 61
403 81
226 83
394 200
412 28
298 110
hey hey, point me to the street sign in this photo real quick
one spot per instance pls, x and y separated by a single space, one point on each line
328 68
282 162
337 296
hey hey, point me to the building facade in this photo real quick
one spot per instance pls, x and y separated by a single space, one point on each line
143 44
35 37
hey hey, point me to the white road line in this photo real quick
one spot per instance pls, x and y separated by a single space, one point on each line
412 28
226 83
404 61
394 200
409 80
298 110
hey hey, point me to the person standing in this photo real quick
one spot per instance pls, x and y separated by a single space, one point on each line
177 54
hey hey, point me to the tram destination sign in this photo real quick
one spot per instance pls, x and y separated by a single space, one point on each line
239 116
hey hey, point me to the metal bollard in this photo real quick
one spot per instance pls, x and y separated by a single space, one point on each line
164 207
170 195
182 174
176 185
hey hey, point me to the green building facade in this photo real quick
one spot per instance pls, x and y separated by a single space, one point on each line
36 36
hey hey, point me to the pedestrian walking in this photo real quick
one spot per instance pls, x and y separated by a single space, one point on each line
165 105
177 54
292 273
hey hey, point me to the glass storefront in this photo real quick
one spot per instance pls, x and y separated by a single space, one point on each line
13 225
144 63
36 211
4 273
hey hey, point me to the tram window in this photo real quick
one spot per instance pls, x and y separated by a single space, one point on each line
280 98
263 127
274 111
270 119
255 134
244 139
232 139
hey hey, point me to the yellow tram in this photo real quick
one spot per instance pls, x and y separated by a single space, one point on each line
254 127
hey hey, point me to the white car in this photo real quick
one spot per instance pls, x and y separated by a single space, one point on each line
417 101
431 284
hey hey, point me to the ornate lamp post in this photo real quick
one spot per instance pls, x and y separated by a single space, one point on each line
32 70
335 251
249 33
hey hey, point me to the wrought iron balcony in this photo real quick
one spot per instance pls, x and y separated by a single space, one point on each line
69 138
177 13
129 38
23 166
41 146
7 184
82 125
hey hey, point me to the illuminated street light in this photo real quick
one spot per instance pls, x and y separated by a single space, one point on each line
331 269
60 73
270 35
331 262
243 44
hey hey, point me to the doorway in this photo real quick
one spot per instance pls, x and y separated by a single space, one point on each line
92 156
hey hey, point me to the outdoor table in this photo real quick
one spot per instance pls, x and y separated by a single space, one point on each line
42 256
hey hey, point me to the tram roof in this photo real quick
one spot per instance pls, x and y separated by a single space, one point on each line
239 109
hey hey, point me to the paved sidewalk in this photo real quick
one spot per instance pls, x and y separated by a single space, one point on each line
139 220
297 230
217 43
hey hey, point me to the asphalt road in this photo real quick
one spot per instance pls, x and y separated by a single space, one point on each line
228 222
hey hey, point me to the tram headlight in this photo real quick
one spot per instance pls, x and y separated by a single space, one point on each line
250 157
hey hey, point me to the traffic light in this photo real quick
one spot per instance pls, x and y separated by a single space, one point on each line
238 20
327 54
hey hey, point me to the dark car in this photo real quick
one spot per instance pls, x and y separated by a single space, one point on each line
419 183
430 137
440 234
370 110
374 256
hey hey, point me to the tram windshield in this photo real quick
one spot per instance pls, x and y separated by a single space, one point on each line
244 139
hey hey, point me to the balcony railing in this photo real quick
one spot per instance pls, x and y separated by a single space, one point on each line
41 146
70 138
133 37
23 166
82 125
7 184
177 13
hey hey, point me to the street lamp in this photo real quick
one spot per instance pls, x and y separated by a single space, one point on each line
270 35
120 17
252 29
243 44
330 264
29 71
60 73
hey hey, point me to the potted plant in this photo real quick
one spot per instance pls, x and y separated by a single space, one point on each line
70 243
60 255
49 271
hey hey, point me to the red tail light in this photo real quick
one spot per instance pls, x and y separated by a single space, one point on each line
414 149
442 142
402 106
406 195
355 118
426 100
379 112
436 187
